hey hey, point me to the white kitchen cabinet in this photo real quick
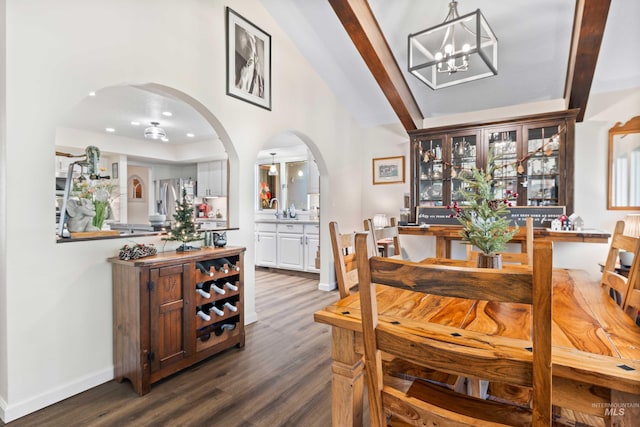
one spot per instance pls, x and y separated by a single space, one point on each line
291 246
311 247
212 179
266 245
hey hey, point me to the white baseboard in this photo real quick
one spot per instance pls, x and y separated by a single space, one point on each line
11 412
326 286
250 318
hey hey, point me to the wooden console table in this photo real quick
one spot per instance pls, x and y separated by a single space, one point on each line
445 234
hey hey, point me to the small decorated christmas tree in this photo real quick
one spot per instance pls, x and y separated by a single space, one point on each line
184 229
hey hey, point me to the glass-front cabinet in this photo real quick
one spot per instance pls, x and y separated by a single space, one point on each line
533 156
543 171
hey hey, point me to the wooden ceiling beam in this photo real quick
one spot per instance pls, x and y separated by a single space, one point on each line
588 29
358 20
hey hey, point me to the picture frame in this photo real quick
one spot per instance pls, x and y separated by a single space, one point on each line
114 170
388 170
248 61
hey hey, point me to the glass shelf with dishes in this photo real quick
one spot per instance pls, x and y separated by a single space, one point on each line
542 178
463 158
431 172
503 146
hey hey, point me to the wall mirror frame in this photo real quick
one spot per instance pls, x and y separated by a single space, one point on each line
624 166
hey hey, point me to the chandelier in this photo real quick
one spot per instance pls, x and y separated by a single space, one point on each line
461 49
155 132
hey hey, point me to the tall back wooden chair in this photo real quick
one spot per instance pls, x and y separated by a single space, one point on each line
612 280
524 257
390 232
457 351
344 259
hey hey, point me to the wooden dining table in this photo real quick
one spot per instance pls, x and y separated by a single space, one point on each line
596 346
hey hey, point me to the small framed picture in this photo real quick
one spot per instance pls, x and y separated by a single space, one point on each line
388 170
114 170
248 61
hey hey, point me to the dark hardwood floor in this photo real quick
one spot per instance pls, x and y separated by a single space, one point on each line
281 377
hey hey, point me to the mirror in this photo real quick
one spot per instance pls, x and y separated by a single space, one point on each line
268 192
296 182
624 166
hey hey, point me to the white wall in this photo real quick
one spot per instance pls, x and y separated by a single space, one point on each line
56 54
3 210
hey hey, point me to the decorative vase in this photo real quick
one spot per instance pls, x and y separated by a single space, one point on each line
489 261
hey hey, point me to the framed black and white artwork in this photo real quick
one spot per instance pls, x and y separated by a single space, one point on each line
248 61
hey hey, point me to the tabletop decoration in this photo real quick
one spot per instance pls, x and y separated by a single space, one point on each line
483 216
139 250
185 229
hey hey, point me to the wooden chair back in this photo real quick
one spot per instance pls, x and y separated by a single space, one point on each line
344 259
391 232
524 257
457 351
612 280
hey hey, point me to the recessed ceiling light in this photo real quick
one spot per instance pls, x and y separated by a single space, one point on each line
165 139
92 94
110 129
135 123
190 135
167 113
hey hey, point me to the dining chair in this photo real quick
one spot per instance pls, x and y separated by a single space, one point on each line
344 259
457 351
390 233
344 256
621 288
525 256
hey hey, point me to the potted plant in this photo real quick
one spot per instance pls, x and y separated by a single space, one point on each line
483 215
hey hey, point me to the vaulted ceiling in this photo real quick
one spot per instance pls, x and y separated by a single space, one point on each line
359 48
548 50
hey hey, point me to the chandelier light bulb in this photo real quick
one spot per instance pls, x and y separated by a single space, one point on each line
466 47
448 49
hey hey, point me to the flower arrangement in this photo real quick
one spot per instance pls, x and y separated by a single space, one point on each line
100 191
483 215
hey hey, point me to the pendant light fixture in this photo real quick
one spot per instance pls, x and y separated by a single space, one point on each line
155 131
273 171
461 49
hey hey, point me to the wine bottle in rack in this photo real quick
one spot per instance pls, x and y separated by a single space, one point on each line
219 330
230 306
231 265
219 265
228 326
200 289
204 269
216 310
201 314
217 289
231 286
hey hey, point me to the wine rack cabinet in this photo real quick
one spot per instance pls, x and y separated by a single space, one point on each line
156 329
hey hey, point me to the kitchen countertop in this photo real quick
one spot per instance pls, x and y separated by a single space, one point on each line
289 221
